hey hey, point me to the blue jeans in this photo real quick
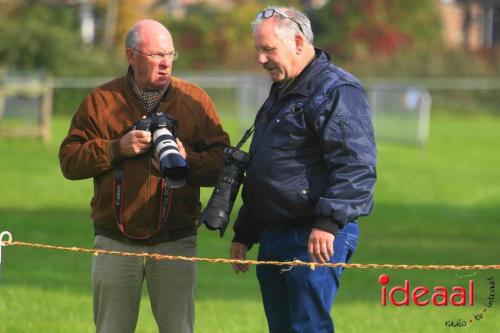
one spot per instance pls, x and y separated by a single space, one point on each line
300 299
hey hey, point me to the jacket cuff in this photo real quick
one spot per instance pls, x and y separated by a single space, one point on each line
193 162
243 240
114 151
327 224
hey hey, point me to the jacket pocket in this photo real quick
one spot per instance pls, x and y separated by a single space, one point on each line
353 139
345 128
303 192
301 204
103 192
290 130
185 207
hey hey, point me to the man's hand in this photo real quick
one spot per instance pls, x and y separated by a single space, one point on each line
239 251
320 245
135 143
181 148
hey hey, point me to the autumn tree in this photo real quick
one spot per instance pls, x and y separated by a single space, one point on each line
364 29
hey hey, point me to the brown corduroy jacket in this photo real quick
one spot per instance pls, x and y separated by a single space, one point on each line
91 150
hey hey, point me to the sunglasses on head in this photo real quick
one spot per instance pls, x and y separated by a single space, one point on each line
265 14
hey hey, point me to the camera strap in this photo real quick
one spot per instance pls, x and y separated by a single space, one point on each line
247 134
260 113
165 203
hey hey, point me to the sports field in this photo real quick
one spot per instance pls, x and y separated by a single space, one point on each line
438 205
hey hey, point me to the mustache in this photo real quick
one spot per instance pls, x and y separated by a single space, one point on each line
268 66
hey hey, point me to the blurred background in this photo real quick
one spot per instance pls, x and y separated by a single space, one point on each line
55 51
431 69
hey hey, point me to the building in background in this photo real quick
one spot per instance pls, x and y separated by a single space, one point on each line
471 24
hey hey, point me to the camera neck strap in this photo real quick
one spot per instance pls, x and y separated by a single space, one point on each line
276 96
248 133
165 203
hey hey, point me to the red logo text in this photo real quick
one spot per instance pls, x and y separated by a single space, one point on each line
422 296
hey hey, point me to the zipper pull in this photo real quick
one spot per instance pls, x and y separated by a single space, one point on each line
342 126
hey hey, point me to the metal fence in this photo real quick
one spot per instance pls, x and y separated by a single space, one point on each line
401 107
237 94
26 106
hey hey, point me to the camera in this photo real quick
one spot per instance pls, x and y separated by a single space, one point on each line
172 165
216 214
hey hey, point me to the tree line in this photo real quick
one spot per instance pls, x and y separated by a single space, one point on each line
370 37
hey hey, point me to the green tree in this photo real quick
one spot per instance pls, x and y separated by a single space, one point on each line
364 29
40 37
213 38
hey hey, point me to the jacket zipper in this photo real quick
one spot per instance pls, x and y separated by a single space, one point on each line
342 126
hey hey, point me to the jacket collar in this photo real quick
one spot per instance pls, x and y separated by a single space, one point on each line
304 83
150 98
167 99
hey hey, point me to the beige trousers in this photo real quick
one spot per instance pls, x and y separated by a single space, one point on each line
117 286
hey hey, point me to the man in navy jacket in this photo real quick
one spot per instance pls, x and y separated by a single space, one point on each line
311 175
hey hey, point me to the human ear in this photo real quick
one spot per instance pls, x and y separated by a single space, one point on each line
129 53
299 44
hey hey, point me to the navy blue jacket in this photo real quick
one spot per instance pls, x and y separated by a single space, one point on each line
313 155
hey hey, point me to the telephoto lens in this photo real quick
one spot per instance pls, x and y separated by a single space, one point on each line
216 214
172 165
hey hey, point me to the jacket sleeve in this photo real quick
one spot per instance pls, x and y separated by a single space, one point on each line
86 152
346 135
246 231
205 161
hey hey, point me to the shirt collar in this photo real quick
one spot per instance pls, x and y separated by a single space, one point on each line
149 98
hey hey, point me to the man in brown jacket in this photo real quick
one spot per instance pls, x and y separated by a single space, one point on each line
133 208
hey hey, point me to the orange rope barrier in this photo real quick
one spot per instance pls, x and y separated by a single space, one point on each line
252 262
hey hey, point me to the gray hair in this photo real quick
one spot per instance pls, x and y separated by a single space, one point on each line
287 28
132 39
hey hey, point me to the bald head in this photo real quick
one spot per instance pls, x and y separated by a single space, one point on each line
150 49
143 31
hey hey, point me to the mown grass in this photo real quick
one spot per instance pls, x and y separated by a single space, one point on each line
438 205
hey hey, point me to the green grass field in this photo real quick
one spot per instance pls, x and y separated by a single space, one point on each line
438 205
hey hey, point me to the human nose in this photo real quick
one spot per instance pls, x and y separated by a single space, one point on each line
165 61
262 58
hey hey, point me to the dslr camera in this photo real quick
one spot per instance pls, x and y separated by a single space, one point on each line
216 214
172 165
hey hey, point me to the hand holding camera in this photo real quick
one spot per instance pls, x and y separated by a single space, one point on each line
134 143
182 150
157 129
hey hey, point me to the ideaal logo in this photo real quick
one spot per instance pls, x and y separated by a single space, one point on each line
404 295
439 296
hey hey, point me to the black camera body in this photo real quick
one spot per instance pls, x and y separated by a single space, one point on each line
216 214
156 120
172 165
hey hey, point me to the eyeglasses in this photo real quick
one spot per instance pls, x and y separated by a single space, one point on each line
173 55
270 13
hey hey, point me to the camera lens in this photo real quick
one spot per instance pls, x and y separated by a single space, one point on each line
216 214
172 165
